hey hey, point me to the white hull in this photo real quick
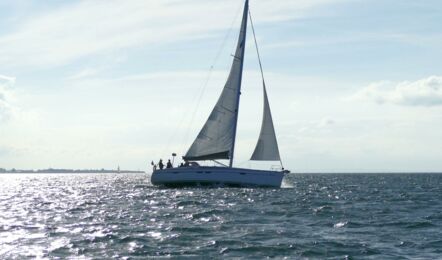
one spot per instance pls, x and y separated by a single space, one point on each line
184 176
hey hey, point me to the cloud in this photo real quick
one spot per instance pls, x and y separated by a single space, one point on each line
424 40
325 122
77 30
5 80
425 92
85 73
318 126
6 96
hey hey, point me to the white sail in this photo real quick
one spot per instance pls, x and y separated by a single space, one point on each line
267 147
216 138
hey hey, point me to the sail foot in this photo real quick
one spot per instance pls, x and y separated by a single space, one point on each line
214 156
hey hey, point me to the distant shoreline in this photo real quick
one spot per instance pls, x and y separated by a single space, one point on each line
67 171
61 171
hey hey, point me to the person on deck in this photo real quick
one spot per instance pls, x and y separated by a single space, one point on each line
169 164
160 164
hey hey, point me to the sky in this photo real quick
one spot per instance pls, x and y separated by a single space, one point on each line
354 85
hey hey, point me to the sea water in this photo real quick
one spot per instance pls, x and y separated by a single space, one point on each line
314 216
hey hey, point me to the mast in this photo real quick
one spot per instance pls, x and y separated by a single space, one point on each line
242 42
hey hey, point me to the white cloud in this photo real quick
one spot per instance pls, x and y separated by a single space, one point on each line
317 126
425 92
325 122
424 40
6 81
85 73
78 30
6 97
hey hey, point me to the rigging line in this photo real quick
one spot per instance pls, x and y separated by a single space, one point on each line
259 60
256 46
206 81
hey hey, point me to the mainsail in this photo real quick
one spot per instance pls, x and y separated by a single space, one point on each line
216 140
267 147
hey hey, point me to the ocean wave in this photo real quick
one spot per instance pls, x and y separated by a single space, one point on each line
321 216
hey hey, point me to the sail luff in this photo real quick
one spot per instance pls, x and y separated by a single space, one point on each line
243 43
216 140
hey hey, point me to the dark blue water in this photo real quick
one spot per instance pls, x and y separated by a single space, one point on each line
339 216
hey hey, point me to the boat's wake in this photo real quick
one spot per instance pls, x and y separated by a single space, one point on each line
286 184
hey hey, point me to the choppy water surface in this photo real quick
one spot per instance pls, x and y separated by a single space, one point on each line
317 216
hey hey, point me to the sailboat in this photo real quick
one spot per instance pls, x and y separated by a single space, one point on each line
216 140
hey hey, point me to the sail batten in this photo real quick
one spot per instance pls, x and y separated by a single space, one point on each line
216 140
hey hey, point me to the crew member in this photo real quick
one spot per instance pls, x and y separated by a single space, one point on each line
169 164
